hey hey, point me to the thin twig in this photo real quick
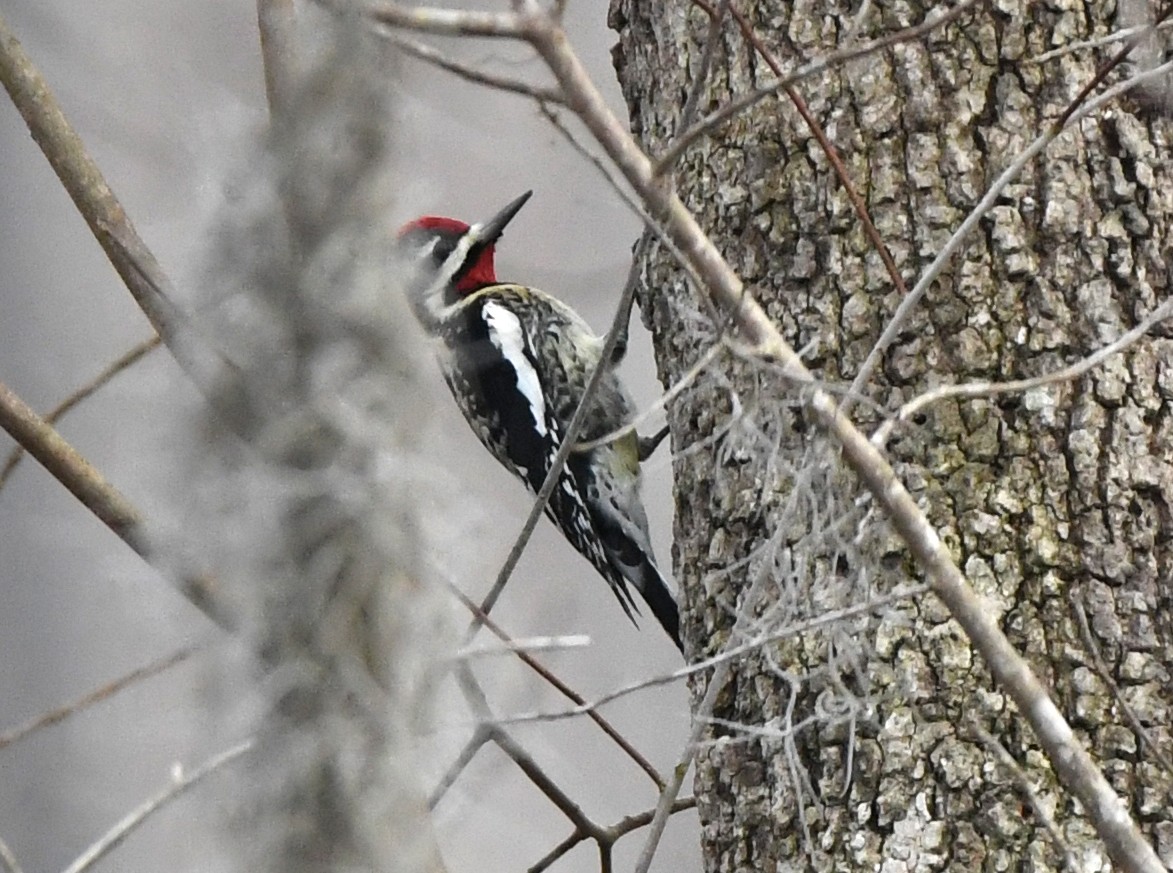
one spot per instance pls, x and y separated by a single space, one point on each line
829 150
1073 113
543 782
990 389
613 833
678 387
110 689
442 22
732 653
145 810
1116 36
566 691
430 55
738 105
83 393
475 743
95 201
1093 650
1027 790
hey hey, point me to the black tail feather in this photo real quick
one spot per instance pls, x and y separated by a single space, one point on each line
655 593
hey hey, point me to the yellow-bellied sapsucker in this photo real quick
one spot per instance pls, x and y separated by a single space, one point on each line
517 361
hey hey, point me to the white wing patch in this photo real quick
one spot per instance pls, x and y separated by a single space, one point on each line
505 332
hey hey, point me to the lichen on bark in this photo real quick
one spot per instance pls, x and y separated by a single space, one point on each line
1053 501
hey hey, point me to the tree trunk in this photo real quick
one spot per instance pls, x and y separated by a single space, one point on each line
874 741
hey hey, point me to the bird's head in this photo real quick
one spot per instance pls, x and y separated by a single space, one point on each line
448 259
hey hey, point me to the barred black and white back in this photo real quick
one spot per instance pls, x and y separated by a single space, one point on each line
517 361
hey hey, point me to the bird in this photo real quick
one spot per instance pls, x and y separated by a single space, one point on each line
517 361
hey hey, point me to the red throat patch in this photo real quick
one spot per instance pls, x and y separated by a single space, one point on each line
481 273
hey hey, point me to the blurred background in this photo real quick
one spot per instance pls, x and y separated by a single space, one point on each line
169 97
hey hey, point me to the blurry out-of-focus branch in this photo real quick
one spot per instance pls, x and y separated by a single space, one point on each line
69 468
277 23
8 859
54 716
137 816
103 213
85 391
90 487
85 183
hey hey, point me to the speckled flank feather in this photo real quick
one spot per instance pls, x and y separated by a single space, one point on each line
503 341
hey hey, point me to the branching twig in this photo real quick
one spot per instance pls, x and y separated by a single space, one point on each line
54 716
612 834
730 654
989 389
430 55
145 810
83 393
715 119
1074 112
1089 642
566 691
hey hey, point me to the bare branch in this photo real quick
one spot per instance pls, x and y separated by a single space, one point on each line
101 498
904 310
828 148
544 783
86 186
684 140
109 690
471 74
679 387
442 22
1085 45
1027 790
1089 642
277 23
69 468
730 654
84 392
181 784
565 690
8 859
990 389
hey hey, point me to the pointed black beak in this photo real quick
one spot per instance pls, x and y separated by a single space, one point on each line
491 230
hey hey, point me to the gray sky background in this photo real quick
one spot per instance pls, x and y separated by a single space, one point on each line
168 96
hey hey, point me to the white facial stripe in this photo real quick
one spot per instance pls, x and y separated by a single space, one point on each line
448 269
505 331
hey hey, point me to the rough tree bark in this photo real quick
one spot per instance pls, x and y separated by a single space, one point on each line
1056 502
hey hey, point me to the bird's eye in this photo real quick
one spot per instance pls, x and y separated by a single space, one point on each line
442 249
